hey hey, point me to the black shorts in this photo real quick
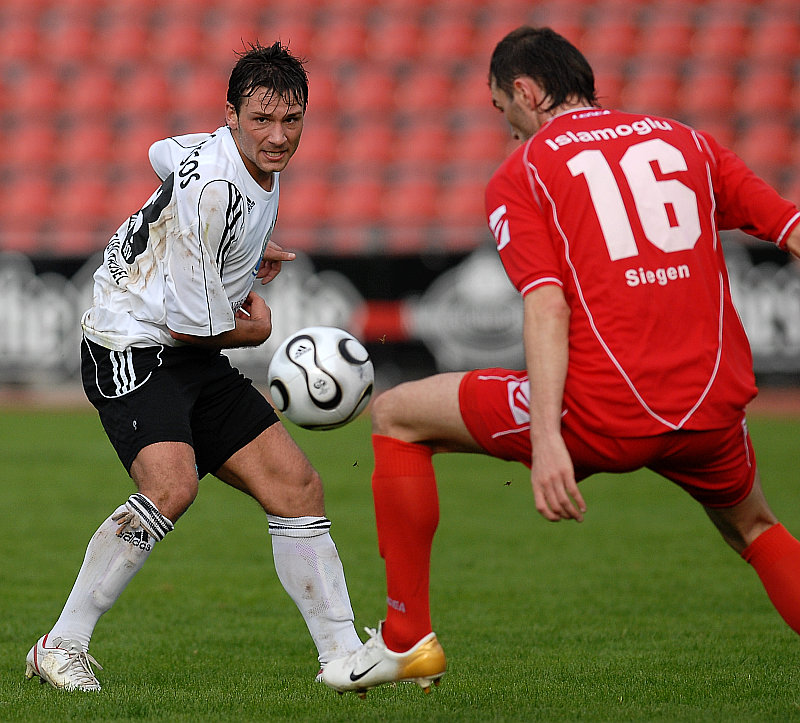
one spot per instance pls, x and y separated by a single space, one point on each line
173 394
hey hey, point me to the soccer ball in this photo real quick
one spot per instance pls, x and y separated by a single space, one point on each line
321 377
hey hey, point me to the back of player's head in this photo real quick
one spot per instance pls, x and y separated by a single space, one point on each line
273 68
550 59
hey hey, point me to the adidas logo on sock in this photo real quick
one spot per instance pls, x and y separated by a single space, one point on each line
137 538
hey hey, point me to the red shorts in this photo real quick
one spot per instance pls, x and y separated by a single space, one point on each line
716 467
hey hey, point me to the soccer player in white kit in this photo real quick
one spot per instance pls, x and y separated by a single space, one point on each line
175 287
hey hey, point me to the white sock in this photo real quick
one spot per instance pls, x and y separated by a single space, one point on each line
110 563
309 568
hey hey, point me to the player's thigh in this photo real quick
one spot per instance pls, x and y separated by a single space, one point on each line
425 411
276 472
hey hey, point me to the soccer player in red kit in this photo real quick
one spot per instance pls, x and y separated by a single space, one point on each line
608 225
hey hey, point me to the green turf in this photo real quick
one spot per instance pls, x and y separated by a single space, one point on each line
639 614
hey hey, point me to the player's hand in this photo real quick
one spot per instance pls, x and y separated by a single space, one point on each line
553 480
254 318
271 262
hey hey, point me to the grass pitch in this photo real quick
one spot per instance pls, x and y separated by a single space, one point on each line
639 614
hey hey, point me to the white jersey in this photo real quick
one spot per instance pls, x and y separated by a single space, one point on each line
188 259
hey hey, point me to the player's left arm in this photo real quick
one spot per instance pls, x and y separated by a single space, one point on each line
546 337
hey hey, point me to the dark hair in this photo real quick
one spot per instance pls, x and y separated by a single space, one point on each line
547 57
273 68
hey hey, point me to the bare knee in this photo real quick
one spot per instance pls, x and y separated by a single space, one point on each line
386 413
172 499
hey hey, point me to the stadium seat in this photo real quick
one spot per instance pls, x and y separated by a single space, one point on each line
31 86
775 37
707 90
609 80
30 144
304 199
422 140
393 39
122 40
652 89
446 37
21 42
369 142
612 37
366 90
410 201
145 91
338 39
88 144
356 199
425 89
91 88
766 141
321 141
70 38
197 94
178 38
720 37
483 139
768 87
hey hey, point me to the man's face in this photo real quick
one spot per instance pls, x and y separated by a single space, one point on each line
267 131
517 109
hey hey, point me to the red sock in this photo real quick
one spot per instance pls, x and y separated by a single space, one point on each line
407 514
775 555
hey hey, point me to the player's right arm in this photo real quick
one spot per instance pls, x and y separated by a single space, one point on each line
253 327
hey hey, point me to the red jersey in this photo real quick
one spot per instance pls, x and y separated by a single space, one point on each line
623 211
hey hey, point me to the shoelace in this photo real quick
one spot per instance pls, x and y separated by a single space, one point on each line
79 663
366 649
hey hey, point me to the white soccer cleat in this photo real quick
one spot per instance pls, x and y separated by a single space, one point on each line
62 663
374 664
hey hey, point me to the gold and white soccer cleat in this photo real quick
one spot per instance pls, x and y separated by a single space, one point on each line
62 663
374 664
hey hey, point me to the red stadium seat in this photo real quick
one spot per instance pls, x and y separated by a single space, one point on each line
122 39
30 144
393 39
304 199
178 38
338 39
146 91
91 89
609 81
422 141
410 201
21 41
356 199
480 140
425 89
720 37
368 142
89 144
768 87
652 89
366 90
766 141
610 37
708 89
775 37
320 142
447 37
70 38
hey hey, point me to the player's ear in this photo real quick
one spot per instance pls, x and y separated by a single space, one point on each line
231 116
528 91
